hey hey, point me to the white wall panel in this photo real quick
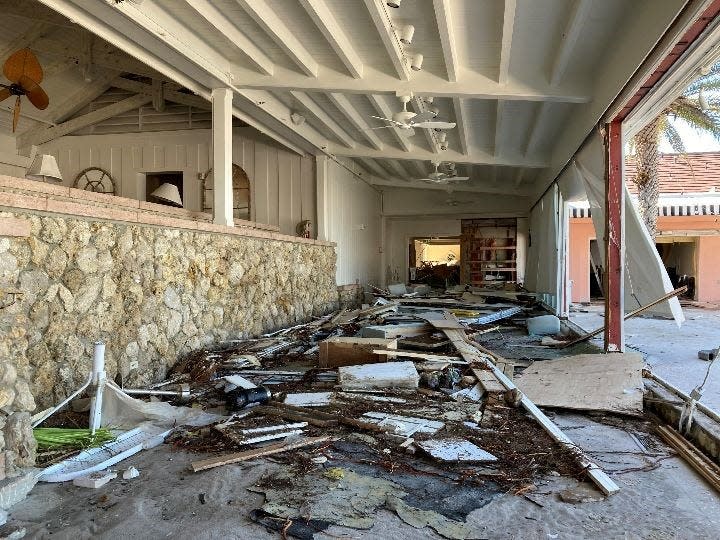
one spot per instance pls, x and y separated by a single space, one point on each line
283 183
353 218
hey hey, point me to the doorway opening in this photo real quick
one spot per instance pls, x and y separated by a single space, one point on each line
678 254
435 261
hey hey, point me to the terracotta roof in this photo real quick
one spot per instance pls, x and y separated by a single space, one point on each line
683 173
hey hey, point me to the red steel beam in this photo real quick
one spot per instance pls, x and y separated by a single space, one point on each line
614 239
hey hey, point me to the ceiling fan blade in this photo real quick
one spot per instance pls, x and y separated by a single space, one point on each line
23 62
436 125
458 178
35 93
424 116
16 113
4 94
381 127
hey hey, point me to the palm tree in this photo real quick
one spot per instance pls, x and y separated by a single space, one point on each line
699 107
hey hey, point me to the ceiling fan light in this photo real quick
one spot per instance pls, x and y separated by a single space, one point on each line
45 169
406 34
168 193
416 62
394 3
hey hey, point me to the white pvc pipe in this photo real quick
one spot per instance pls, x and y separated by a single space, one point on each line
98 381
99 358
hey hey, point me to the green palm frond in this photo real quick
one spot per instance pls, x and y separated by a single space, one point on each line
671 135
711 81
699 119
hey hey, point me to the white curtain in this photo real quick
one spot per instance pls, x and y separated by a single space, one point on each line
645 276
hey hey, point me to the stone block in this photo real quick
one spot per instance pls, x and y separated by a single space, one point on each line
14 490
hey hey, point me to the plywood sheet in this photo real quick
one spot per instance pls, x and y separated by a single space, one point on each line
599 382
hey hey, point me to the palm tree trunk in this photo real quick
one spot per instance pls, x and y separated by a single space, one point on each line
647 159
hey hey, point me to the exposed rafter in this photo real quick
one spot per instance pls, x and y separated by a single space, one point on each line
334 34
458 188
313 108
345 107
462 127
420 169
32 34
499 119
477 157
398 170
88 92
576 20
217 19
43 135
535 130
168 93
373 167
383 109
263 14
507 39
447 37
383 23
473 85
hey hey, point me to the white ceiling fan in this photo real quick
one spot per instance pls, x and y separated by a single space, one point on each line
439 177
407 120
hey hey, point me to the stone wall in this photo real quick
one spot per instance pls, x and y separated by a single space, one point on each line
151 293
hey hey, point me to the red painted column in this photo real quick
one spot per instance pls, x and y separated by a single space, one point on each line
614 239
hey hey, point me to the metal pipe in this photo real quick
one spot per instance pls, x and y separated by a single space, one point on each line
183 393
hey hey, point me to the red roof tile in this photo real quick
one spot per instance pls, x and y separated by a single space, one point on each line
683 173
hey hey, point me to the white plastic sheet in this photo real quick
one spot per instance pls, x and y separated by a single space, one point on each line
646 278
543 272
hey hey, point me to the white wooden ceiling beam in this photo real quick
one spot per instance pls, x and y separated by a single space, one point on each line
384 110
346 108
169 94
421 170
84 95
42 135
398 169
575 22
467 186
328 121
323 18
462 127
372 166
477 157
220 22
499 119
472 86
541 116
263 14
381 17
507 39
447 37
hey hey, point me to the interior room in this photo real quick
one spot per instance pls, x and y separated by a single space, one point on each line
305 269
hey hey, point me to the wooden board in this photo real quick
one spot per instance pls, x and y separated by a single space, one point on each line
237 457
488 381
593 382
386 375
352 351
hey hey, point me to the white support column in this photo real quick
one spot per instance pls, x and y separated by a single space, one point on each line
222 112
321 186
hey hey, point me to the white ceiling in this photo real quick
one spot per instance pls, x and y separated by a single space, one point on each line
516 75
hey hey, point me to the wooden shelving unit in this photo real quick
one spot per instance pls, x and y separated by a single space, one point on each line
488 251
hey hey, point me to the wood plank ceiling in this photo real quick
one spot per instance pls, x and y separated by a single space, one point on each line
510 73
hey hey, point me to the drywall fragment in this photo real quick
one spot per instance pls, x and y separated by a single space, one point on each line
238 381
544 325
387 375
95 480
455 450
389 331
309 399
472 393
403 425
130 473
397 289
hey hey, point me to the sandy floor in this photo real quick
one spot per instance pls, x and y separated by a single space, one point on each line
671 352
168 501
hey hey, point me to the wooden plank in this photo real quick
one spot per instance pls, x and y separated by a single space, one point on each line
237 457
351 351
694 457
423 356
487 380
470 352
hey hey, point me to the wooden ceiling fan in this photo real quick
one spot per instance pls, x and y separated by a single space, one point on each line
23 71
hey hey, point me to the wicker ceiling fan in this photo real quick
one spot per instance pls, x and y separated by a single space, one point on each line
23 71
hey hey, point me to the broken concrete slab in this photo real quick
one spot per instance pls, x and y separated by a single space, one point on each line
389 331
95 480
15 489
544 325
351 351
404 426
387 375
597 382
309 399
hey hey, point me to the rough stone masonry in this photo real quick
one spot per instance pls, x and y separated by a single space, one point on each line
152 294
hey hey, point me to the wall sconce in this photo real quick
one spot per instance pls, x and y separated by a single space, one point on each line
45 169
416 61
406 34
